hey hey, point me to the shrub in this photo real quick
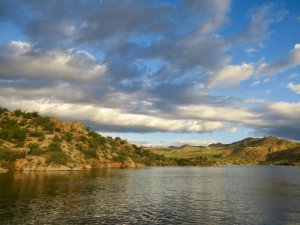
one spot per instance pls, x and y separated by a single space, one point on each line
57 157
90 153
122 156
30 115
56 139
45 122
12 131
68 137
82 138
18 112
54 146
3 110
8 155
34 149
36 134
79 146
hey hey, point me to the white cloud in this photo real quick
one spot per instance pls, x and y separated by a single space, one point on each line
292 60
294 87
255 83
286 110
20 61
111 116
232 75
195 142
215 113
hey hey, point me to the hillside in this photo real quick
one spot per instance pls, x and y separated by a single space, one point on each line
268 150
29 141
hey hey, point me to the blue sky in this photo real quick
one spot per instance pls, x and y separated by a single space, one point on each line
156 72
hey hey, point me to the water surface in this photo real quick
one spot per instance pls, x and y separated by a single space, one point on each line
156 195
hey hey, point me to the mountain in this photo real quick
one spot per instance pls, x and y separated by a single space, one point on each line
29 141
268 150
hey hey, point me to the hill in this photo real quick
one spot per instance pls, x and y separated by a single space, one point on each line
268 150
29 141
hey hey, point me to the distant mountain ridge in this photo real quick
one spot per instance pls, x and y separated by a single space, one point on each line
266 150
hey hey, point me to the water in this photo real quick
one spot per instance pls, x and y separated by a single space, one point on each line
157 195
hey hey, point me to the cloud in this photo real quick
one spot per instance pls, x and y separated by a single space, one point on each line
139 66
110 118
292 60
232 75
261 20
19 61
194 142
294 87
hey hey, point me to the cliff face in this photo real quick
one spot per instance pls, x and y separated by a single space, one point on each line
29 141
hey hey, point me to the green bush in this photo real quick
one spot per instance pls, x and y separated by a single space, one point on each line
30 115
68 137
12 131
121 156
8 155
79 146
82 138
54 146
36 134
45 122
56 139
34 149
97 138
18 112
57 157
3 110
90 153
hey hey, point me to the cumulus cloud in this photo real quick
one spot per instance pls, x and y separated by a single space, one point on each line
19 61
109 117
232 75
294 87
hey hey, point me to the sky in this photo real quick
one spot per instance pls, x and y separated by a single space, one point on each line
156 72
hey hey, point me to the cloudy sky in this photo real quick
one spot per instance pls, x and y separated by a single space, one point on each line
156 72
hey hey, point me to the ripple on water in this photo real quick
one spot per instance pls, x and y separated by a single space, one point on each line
220 195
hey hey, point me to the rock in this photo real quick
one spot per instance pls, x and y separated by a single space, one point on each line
3 170
114 165
66 126
20 164
54 167
129 164
77 126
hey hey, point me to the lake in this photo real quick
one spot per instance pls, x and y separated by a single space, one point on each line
154 195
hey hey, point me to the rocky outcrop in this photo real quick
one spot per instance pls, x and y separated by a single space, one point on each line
40 143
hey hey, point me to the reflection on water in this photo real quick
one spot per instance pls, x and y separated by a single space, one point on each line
165 195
